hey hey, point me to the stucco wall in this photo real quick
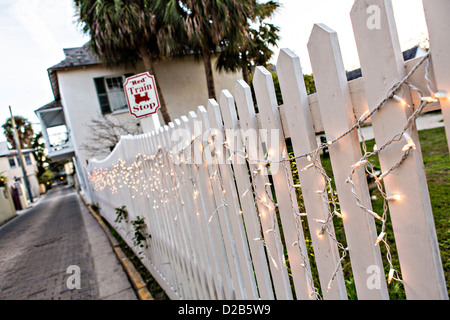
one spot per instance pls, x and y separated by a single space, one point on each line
7 210
182 82
17 172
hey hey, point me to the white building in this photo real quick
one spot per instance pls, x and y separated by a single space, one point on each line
11 169
84 89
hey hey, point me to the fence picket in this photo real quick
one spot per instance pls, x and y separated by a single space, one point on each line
175 210
231 197
200 231
210 221
338 117
436 14
413 212
190 241
249 211
221 205
303 142
267 212
161 213
155 246
290 219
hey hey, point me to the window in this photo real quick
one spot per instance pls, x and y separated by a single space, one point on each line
111 95
27 159
12 163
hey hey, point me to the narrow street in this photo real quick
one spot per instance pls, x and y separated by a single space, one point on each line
38 246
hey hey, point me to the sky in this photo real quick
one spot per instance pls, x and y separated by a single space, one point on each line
33 34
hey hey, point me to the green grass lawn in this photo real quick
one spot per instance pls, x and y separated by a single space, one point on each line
437 167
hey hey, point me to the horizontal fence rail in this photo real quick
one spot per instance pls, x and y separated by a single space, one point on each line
232 201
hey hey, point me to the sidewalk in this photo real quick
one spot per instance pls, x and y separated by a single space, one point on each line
112 281
38 246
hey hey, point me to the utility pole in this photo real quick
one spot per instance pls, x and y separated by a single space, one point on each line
21 160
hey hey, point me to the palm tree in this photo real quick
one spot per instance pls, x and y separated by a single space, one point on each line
124 32
205 23
24 130
246 50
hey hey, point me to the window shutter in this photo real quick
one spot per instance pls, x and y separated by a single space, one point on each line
102 95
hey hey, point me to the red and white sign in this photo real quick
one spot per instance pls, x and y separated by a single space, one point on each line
141 94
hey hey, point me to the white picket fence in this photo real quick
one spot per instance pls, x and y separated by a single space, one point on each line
221 227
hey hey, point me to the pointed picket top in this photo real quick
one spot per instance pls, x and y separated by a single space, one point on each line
243 95
375 20
295 99
228 109
382 66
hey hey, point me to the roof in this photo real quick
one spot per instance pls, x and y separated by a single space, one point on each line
407 55
77 57
49 106
14 152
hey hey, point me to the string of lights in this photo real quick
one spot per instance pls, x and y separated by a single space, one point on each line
131 175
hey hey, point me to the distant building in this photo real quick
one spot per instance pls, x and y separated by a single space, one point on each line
409 54
85 89
11 169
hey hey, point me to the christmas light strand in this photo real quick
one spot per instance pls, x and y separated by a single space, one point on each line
131 175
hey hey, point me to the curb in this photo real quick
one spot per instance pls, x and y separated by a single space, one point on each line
134 276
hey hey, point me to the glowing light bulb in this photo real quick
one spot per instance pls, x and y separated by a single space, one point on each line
245 193
441 94
395 197
391 275
410 142
359 164
373 214
400 100
429 99
380 238
309 166
329 286
364 115
339 215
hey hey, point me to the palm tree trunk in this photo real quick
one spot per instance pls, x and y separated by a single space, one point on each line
206 55
148 64
245 71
